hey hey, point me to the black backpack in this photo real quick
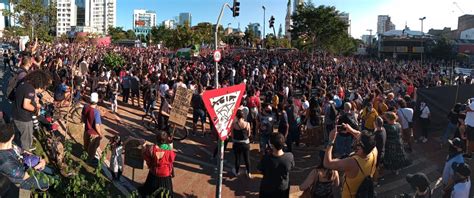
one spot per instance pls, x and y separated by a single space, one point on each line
366 188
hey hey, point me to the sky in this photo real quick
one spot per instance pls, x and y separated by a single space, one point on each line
362 13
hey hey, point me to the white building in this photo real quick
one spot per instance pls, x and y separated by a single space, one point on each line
467 34
66 16
169 24
288 21
92 15
384 24
143 21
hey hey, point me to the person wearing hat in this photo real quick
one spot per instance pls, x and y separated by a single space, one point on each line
420 183
460 186
92 127
395 157
456 148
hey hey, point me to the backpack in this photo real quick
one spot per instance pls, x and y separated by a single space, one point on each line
332 112
366 188
13 83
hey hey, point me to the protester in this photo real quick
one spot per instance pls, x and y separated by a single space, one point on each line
368 116
159 158
265 127
344 140
241 143
380 140
356 167
322 181
92 128
421 184
199 110
26 105
276 167
14 169
456 148
116 160
469 122
452 124
394 157
135 88
405 116
126 87
425 115
460 186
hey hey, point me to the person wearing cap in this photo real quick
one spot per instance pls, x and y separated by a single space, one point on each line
460 186
420 183
356 167
456 148
469 122
92 127
26 105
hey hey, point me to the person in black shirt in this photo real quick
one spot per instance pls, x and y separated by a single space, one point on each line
6 60
199 111
26 104
275 167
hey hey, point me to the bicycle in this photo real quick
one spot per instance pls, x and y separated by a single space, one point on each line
150 121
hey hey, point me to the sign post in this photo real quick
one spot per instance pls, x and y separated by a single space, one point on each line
222 105
217 56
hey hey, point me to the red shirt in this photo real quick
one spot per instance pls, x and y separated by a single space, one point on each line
254 101
160 167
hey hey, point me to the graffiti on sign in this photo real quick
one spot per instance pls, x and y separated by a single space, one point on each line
224 107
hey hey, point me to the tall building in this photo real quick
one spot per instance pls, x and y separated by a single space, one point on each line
297 3
66 15
384 24
143 21
91 15
183 17
344 16
169 24
288 21
5 21
255 27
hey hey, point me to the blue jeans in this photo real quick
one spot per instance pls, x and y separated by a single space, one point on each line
264 138
449 131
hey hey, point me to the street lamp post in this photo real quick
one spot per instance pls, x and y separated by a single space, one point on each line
370 38
422 34
263 36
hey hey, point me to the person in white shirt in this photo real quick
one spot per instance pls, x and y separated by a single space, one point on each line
180 83
469 122
462 181
405 116
424 121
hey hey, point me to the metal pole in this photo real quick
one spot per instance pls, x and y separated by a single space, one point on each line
220 143
263 36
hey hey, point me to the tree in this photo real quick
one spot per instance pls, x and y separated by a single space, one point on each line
131 35
442 49
249 37
34 18
317 27
116 33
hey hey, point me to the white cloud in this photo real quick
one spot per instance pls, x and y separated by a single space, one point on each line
438 13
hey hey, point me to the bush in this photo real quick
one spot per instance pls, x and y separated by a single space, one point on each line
113 60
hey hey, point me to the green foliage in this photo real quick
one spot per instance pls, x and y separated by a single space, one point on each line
113 60
250 37
273 42
116 33
34 18
184 35
131 35
318 28
443 49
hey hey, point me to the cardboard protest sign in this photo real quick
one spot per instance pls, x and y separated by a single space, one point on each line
181 103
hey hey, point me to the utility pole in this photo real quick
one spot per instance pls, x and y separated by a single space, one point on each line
263 27
370 39
422 48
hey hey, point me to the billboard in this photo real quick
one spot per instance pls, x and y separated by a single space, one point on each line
140 23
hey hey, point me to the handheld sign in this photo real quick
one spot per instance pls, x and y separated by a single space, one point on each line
217 56
222 105
179 112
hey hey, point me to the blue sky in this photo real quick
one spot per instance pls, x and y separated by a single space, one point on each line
362 13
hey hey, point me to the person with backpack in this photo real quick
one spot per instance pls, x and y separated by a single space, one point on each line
321 181
265 127
359 168
26 105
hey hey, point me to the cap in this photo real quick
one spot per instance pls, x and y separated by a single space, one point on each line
418 180
94 97
462 168
456 142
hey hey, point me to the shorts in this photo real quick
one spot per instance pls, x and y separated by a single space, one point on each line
470 133
199 114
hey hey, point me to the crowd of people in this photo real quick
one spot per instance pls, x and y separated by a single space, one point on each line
360 110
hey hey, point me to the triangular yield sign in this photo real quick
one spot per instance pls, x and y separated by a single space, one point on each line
222 105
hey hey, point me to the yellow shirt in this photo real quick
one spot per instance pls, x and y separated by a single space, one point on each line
369 118
351 185
275 101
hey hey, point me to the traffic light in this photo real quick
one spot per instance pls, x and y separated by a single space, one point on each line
272 21
236 8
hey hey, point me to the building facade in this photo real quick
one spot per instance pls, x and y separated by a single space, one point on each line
143 21
255 27
183 17
288 21
5 21
101 14
169 24
66 16
384 24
